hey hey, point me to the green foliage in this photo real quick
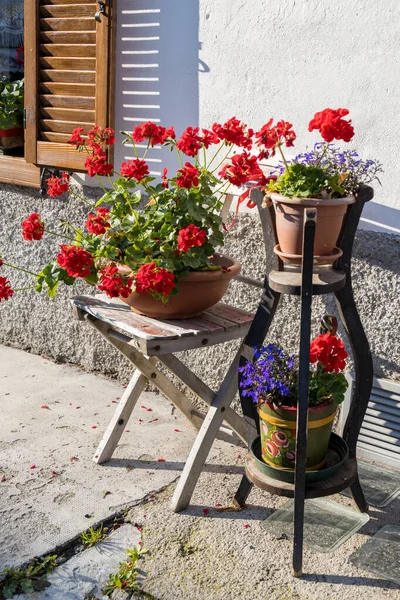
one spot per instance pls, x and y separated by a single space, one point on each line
126 577
325 386
11 103
51 276
92 536
25 580
305 181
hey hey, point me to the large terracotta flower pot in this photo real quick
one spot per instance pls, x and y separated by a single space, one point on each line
11 138
278 435
198 291
290 220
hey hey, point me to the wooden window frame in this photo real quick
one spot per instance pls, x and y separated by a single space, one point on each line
38 154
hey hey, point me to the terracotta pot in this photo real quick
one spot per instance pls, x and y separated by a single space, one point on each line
11 138
278 435
198 291
290 219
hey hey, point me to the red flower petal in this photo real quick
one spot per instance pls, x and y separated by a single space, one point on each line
156 419
205 511
218 504
32 467
94 426
161 459
44 406
246 526
77 406
149 409
54 473
177 430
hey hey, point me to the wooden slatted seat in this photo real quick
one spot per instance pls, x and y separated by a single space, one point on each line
154 337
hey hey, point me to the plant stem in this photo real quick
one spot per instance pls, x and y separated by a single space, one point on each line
223 160
146 151
215 155
180 157
59 235
82 198
20 269
322 155
101 183
111 181
283 156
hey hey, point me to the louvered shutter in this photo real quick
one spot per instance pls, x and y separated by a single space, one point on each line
67 77
379 437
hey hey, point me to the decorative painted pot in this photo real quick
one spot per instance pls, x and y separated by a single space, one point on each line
290 220
198 291
278 435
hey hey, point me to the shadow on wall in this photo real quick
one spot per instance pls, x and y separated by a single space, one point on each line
157 66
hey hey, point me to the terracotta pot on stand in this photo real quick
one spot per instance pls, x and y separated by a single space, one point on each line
198 291
289 214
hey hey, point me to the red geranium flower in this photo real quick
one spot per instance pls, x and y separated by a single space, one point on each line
56 186
329 351
97 222
75 260
76 139
5 289
190 142
114 284
209 137
135 169
33 227
331 126
155 134
97 164
242 168
188 176
270 137
191 236
151 278
234 132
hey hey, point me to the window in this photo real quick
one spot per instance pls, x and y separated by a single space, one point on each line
67 79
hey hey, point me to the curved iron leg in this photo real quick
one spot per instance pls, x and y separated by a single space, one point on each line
363 378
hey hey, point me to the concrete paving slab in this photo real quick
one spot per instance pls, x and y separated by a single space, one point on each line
203 554
86 572
52 418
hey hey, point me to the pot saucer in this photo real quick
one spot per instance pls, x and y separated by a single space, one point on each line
296 259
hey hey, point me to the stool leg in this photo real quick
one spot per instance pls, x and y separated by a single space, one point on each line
243 492
205 437
120 418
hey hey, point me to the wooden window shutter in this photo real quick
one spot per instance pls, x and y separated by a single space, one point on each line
68 77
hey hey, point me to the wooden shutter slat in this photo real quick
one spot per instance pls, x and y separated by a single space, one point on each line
71 2
73 76
77 102
67 76
67 114
63 126
77 24
68 50
68 89
68 64
64 37
68 10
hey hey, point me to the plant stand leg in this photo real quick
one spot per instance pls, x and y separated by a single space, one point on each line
302 408
358 495
120 418
242 493
204 440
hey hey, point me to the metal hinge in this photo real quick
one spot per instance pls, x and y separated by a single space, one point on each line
24 119
101 11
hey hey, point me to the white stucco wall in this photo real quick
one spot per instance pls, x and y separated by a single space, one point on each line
197 61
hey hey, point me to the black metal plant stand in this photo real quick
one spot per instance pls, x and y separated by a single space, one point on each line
306 283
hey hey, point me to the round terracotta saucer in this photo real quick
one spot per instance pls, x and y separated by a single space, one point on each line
296 259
